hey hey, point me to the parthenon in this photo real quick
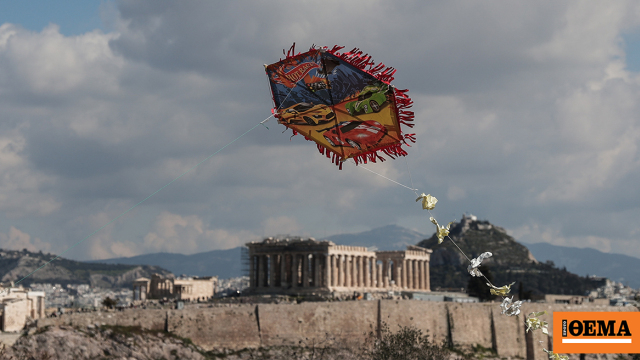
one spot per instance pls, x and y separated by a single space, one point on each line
298 266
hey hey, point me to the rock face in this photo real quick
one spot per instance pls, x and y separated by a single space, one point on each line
511 261
101 343
475 237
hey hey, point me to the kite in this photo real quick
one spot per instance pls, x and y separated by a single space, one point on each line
343 102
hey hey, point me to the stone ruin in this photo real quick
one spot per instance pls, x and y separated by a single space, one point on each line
297 266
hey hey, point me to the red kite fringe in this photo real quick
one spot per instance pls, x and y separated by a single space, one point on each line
365 63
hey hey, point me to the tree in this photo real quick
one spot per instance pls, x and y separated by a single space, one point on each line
109 303
523 295
408 343
477 286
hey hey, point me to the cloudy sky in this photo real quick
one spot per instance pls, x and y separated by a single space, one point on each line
527 115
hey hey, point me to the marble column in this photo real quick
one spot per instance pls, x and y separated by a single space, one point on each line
367 272
347 273
417 273
328 271
404 273
340 260
360 271
416 282
426 276
418 277
423 283
410 283
334 270
354 271
374 273
396 271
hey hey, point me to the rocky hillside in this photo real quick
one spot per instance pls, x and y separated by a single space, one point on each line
14 265
511 261
112 342
125 342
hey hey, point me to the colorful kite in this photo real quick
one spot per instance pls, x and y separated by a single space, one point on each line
343 102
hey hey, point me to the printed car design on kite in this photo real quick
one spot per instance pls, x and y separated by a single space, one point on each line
307 114
370 99
356 134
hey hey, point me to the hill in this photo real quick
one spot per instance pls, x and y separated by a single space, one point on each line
617 267
222 263
511 261
14 265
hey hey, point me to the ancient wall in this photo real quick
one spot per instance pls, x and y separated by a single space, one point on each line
317 323
345 323
217 328
146 319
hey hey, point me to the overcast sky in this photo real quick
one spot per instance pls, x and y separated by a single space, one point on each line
527 115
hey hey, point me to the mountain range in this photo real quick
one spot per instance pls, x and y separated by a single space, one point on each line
28 267
587 261
222 263
227 263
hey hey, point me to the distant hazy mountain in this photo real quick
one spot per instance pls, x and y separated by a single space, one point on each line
617 267
14 265
390 237
222 263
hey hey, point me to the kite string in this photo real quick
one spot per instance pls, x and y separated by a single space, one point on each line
384 177
410 178
412 188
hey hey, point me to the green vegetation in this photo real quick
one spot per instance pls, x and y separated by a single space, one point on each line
109 303
407 344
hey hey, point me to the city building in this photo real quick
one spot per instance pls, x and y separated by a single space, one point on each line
299 266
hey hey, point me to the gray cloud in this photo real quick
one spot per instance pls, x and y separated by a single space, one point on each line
525 116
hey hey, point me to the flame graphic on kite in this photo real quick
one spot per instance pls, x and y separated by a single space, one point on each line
343 102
